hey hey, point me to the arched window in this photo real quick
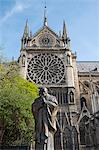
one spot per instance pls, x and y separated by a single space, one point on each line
83 101
71 96
83 132
68 59
65 98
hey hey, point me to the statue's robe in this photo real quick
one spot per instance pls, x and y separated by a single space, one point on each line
44 111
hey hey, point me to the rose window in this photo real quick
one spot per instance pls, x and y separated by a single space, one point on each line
45 69
46 40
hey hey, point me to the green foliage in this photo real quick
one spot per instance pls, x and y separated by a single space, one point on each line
16 97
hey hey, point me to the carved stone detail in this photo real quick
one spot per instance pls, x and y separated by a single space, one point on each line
46 68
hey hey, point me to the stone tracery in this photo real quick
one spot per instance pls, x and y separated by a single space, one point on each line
46 68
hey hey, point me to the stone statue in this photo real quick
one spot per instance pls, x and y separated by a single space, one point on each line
44 110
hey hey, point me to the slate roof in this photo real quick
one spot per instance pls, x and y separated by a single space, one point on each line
86 66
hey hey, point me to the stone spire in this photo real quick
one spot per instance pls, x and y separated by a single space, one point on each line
60 34
25 37
45 17
26 30
30 34
64 36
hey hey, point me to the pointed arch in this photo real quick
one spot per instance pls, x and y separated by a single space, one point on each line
82 130
71 97
83 102
68 59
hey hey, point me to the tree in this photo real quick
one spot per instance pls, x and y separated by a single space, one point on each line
16 97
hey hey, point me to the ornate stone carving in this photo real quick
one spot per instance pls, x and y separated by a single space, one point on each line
46 40
46 68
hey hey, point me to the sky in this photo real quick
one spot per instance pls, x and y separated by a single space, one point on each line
81 17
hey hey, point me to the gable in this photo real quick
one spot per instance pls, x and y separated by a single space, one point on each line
45 37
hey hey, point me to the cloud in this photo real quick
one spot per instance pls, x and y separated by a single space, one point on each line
17 8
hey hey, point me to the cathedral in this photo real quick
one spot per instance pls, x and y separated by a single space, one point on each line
47 59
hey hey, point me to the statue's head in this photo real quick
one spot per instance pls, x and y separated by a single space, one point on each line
43 91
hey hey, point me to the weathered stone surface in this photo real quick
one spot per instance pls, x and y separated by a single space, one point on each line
44 110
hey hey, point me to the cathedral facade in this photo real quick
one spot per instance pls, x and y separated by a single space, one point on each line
47 59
